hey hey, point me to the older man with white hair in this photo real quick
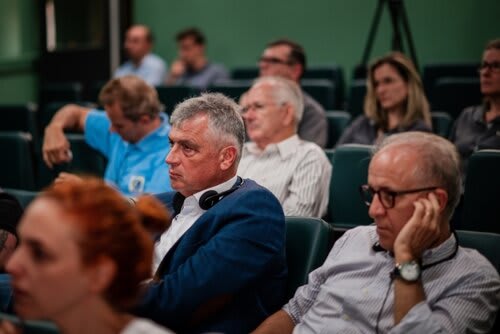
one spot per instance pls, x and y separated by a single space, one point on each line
296 171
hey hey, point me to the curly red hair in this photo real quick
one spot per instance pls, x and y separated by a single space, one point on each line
112 228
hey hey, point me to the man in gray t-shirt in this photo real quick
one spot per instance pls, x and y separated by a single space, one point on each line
192 68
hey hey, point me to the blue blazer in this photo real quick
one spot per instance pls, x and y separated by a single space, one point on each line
228 272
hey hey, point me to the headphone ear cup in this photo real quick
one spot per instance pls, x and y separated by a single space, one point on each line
177 203
209 199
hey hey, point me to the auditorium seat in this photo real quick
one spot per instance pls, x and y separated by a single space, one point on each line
433 72
441 123
31 326
307 245
332 72
17 171
481 211
70 91
85 158
322 90
488 244
452 95
337 122
25 197
20 117
170 96
350 170
356 98
233 89
244 73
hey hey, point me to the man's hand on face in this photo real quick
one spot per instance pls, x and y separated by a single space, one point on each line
420 232
177 68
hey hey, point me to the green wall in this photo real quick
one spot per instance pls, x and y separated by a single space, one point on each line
330 30
18 51
237 30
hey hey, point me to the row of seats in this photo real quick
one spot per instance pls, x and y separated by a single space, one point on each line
26 169
27 119
308 241
345 209
480 200
449 87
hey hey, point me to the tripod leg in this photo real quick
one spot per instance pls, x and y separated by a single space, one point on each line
409 38
373 29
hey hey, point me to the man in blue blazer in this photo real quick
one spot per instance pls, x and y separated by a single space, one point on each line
221 265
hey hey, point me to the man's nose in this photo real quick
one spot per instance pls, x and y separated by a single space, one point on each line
376 208
171 157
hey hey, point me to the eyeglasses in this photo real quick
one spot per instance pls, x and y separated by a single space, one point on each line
274 61
386 197
493 67
255 106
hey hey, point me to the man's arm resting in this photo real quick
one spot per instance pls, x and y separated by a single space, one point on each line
279 323
55 145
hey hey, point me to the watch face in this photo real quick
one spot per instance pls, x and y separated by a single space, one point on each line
410 271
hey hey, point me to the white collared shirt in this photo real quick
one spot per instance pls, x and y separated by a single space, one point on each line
297 172
189 214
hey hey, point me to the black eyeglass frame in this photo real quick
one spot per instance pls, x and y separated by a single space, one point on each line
493 67
275 61
365 190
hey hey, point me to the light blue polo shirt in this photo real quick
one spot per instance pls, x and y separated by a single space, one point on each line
132 168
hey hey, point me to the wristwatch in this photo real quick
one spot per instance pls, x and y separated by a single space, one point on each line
408 271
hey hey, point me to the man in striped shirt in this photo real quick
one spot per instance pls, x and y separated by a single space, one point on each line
407 273
297 172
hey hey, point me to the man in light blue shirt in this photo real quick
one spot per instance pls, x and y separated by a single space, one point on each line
142 63
132 134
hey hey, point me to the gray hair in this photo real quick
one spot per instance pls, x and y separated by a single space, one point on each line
438 162
285 91
224 118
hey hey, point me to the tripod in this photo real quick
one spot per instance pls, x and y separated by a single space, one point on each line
398 17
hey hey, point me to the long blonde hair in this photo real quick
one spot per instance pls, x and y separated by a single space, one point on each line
416 106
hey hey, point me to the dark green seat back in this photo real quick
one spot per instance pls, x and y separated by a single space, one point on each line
31 326
170 96
433 72
232 89
25 197
17 171
85 158
350 170
452 95
356 98
337 122
307 245
482 192
441 123
322 90
335 74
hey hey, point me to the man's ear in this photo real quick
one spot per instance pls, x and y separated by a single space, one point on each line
101 273
227 157
297 71
442 197
289 115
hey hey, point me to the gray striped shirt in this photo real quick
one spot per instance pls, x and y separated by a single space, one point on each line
297 172
346 294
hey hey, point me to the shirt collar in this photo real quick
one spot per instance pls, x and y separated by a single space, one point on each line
218 188
145 144
441 251
478 115
285 148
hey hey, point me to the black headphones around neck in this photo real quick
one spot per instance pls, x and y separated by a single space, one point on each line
208 199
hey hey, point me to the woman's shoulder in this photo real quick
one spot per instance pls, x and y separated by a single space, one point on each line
144 326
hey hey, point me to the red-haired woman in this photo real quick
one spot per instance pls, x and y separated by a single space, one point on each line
83 253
